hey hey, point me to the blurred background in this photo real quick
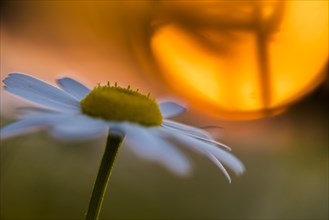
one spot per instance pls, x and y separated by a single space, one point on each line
257 69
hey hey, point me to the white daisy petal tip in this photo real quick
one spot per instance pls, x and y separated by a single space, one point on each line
183 172
220 157
15 129
219 165
73 87
39 92
171 109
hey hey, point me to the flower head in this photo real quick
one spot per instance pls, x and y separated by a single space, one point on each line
121 105
74 112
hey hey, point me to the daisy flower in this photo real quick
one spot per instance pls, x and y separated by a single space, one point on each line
74 112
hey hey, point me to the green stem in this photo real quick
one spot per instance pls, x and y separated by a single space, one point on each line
112 146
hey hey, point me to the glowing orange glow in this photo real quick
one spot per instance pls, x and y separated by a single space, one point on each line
299 50
229 79
206 69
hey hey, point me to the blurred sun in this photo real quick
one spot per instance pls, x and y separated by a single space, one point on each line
273 58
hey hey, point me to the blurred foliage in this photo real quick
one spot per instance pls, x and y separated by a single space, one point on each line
44 179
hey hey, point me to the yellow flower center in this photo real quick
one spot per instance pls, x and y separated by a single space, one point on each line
114 103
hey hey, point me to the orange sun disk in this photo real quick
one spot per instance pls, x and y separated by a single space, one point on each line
247 73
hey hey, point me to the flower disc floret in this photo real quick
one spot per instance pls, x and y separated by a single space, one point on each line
115 103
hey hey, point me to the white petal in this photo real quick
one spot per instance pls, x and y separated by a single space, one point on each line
41 100
203 147
210 140
145 143
193 132
80 129
31 124
187 128
18 83
24 112
171 109
74 88
219 165
227 159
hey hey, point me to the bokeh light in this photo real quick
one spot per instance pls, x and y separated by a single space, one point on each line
247 60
